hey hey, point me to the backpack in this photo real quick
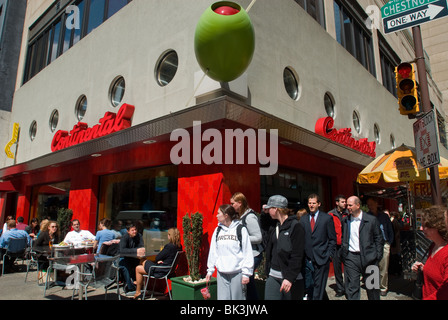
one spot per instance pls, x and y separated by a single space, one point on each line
238 233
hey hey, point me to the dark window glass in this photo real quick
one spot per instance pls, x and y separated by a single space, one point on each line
353 37
55 46
77 32
96 14
67 35
115 6
315 8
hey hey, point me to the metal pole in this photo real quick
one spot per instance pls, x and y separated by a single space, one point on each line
426 107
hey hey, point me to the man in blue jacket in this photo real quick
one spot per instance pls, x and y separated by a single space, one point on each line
11 233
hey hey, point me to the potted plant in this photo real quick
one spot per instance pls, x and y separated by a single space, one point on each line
64 221
189 287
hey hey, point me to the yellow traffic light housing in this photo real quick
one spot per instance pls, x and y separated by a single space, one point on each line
406 89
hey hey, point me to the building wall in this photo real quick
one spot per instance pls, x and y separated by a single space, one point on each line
435 43
130 43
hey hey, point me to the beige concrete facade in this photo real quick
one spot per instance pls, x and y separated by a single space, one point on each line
130 43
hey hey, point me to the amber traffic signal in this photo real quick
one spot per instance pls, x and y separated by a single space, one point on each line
406 89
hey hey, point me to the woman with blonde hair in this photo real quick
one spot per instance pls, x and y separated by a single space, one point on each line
164 258
435 270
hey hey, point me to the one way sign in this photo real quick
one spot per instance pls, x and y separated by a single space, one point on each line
415 16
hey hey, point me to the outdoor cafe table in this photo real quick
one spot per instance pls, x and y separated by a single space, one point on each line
79 261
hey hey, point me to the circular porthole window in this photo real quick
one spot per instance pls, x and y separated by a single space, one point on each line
117 91
81 108
356 122
329 104
54 120
377 133
33 130
291 83
166 68
392 141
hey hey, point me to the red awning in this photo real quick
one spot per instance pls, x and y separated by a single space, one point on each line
6 186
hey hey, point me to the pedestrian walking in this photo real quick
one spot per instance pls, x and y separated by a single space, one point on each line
231 254
362 246
435 270
320 245
284 253
338 213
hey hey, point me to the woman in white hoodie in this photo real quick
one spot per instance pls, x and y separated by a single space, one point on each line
231 254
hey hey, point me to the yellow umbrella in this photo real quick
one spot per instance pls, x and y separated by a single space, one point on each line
398 165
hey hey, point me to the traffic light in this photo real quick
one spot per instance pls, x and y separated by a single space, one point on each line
406 89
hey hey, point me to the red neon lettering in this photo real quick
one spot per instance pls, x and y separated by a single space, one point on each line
324 127
80 133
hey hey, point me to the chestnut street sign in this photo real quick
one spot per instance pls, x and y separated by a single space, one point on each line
402 14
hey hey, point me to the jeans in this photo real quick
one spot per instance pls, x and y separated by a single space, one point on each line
127 267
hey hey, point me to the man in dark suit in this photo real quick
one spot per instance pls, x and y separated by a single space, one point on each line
320 245
362 248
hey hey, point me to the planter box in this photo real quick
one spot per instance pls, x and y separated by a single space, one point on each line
182 290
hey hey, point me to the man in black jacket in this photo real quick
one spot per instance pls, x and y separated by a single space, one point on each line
131 247
362 249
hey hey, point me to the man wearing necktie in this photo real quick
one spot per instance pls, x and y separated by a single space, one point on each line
362 246
320 245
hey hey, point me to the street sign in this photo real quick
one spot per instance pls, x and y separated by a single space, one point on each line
426 142
402 14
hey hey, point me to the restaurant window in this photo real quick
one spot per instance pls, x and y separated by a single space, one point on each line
146 197
315 8
53 34
296 186
352 34
54 120
356 122
166 68
81 108
117 91
392 141
48 199
291 83
377 133
329 104
33 130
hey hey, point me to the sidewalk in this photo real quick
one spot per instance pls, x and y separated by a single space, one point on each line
399 289
14 287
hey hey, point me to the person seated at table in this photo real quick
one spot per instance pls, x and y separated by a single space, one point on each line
164 258
131 248
104 234
11 233
77 236
33 228
20 225
49 232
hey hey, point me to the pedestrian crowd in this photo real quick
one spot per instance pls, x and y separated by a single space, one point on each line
298 248
295 249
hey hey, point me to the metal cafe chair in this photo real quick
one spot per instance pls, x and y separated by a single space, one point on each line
170 272
17 249
105 274
33 261
54 266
